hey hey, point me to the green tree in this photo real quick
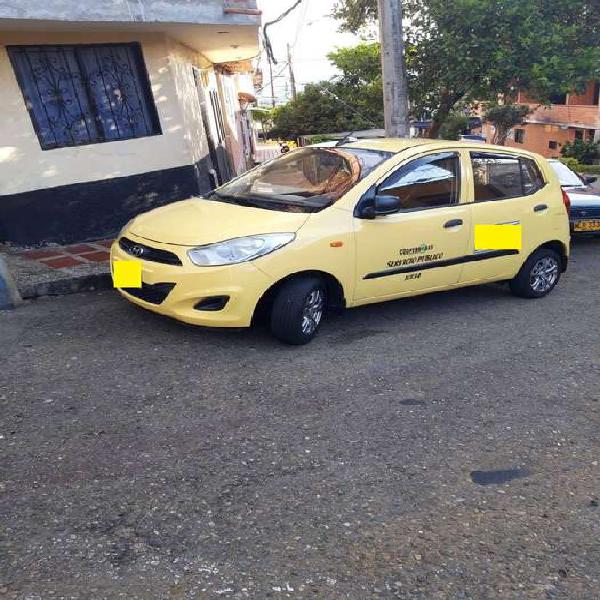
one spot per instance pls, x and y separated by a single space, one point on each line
467 50
264 116
352 101
454 125
582 152
504 117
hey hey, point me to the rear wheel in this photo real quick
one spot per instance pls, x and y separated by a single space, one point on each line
539 275
298 310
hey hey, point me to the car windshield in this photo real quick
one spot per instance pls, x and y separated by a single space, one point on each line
566 177
304 180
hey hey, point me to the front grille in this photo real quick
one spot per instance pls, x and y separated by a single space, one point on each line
148 253
154 294
584 212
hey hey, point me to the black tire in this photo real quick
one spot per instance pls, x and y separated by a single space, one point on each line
524 284
289 306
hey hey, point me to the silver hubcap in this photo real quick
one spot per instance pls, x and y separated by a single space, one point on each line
312 313
544 274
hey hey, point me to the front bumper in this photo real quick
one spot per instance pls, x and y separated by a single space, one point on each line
175 290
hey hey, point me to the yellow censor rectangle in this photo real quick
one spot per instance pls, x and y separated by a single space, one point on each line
498 237
127 274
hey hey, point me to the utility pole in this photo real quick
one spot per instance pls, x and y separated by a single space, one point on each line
272 82
395 87
292 78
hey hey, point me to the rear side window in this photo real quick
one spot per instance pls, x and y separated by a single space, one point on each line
498 176
532 178
426 182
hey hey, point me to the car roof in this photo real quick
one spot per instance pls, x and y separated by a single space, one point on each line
400 144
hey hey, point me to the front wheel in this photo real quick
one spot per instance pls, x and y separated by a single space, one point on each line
298 310
539 274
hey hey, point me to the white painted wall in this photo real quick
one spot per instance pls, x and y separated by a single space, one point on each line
24 166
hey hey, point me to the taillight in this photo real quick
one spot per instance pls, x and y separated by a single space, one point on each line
566 201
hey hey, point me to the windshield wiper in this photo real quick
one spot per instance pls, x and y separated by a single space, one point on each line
233 199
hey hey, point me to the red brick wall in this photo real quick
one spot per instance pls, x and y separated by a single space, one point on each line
538 138
587 98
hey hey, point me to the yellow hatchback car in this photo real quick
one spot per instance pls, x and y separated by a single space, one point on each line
344 226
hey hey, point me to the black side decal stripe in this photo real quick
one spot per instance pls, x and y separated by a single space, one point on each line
442 263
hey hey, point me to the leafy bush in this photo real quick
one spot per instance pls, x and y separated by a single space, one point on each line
453 126
590 169
318 139
584 152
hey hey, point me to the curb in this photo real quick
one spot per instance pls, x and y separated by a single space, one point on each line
9 294
69 285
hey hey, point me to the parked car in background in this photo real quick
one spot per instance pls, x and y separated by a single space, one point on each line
584 214
472 137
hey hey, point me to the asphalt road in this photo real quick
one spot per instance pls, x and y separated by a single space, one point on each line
142 458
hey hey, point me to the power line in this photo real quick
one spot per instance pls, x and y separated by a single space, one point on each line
262 87
267 41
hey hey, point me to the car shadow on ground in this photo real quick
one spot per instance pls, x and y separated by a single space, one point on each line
357 323
350 325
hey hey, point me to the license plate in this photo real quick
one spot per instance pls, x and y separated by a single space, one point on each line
591 225
127 273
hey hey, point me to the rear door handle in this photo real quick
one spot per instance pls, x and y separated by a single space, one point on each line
540 208
453 223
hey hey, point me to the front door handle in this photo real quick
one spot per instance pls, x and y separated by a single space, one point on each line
453 223
540 208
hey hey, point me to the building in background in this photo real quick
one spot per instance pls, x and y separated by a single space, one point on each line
548 128
110 109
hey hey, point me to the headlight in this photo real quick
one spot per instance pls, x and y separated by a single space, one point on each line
238 250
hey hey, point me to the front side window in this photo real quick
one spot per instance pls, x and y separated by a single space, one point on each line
427 182
498 176
85 94
305 180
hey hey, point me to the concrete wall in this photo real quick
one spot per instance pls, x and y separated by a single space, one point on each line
25 166
171 11
538 137
87 192
182 59
239 138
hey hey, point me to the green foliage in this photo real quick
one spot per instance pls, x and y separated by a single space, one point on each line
264 116
504 117
318 139
590 169
468 50
355 14
354 100
454 125
360 65
582 152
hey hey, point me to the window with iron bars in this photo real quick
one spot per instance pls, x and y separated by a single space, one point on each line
85 94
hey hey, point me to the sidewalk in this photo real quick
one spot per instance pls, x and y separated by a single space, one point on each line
54 269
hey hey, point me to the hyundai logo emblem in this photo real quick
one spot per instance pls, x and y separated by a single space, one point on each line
137 250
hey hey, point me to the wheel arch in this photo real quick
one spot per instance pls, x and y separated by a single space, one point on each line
560 248
335 292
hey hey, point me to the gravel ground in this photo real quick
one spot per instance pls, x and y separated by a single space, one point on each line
142 458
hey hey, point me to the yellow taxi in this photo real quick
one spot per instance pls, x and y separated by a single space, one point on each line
362 222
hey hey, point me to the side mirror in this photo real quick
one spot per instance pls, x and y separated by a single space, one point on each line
386 205
587 179
374 205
